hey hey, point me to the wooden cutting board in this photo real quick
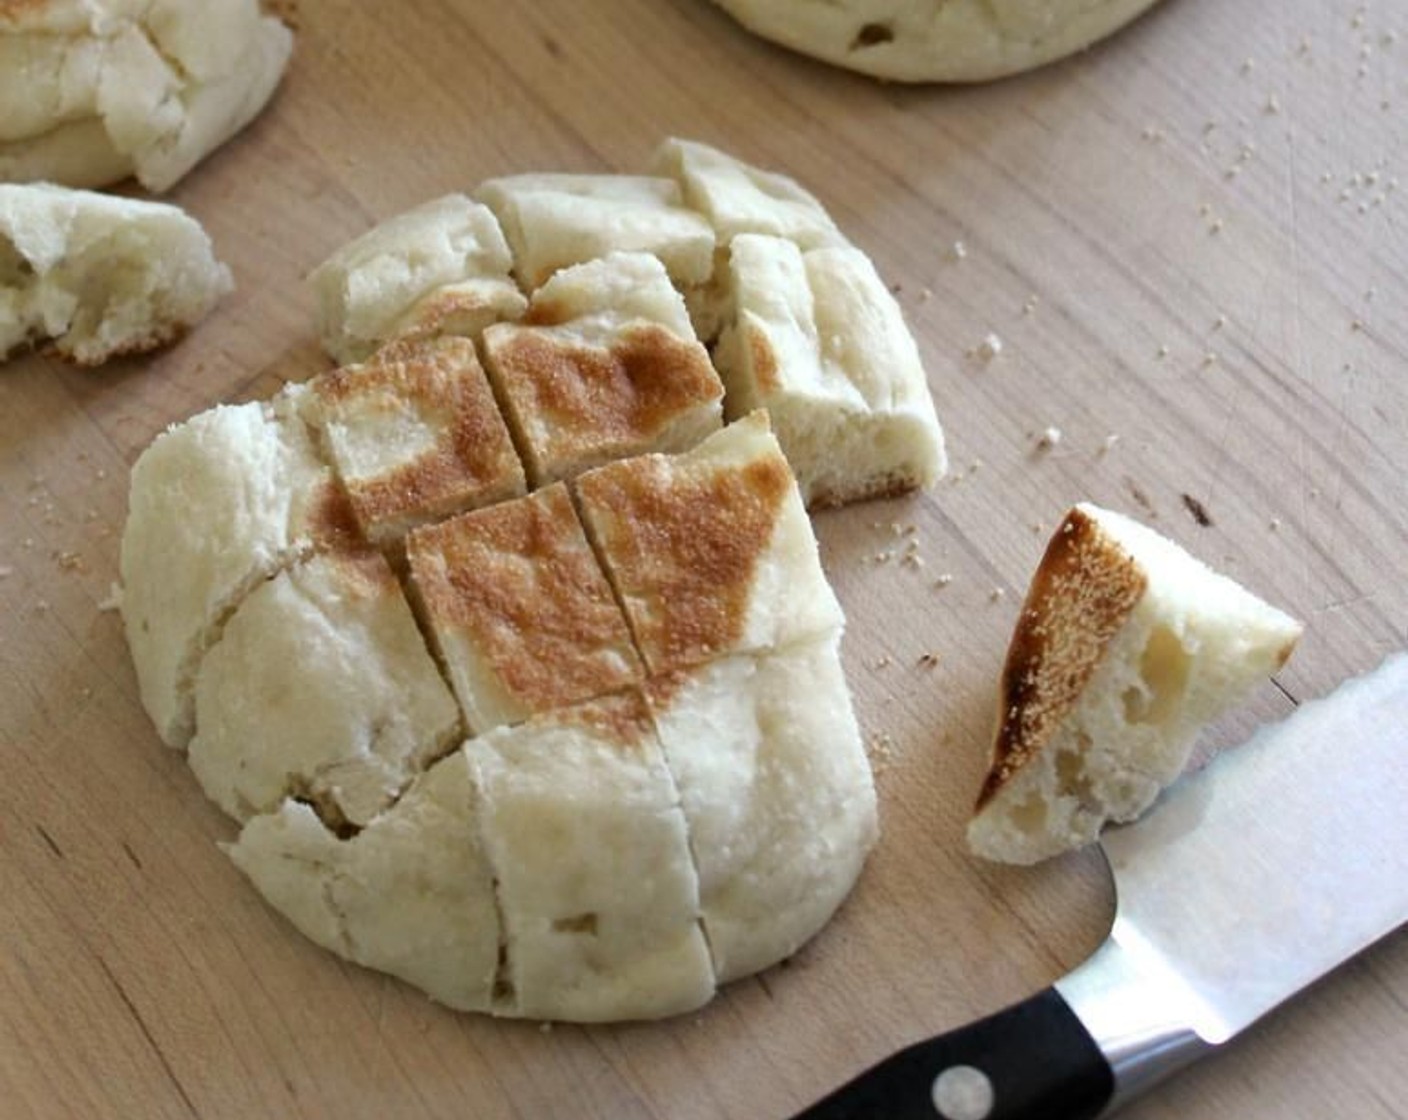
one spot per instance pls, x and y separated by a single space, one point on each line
1190 242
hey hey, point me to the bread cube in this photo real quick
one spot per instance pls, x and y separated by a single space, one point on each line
553 221
415 435
520 610
320 687
411 894
600 900
710 551
604 365
1125 648
776 791
392 279
818 340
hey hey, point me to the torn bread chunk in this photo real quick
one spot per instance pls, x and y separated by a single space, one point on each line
320 687
520 610
600 901
605 364
818 340
217 505
710 551
777 792
411 894
554 221
415 435
98 276
1125 648
441 268
97 90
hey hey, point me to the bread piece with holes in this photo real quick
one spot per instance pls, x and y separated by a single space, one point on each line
97 276
93 92
217 505
600 900
710 551
777 792
411 894
935 40
520 610
439 269
605 364
415 435
1126 647
320 687
818 340
553 221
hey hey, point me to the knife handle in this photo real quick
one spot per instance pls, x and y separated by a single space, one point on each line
1033 1061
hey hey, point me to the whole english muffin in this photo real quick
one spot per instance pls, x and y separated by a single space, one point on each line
516 664
935 40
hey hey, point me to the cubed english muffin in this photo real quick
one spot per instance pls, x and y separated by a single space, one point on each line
604 365
415 435
600 901
553 221
412 894
710 551
520 610
442 267
217 505
1126 647
818 340
322 688
776 791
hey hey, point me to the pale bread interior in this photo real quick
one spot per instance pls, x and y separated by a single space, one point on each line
1127 647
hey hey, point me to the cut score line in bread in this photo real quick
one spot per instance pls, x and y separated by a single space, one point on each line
1125 648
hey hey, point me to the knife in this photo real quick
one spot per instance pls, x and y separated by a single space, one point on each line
1246 882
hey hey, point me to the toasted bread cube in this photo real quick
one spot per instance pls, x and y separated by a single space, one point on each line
604 365
777 793
710 551
520 610
411 894
391 280
1125 648
321 687
554 221
415 435
218 504
599 896
818 340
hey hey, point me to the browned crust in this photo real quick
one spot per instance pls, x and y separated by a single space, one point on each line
576 402
364 573
520 581
472 461
332 523
683 546
889 485
766 374
623 720
1083 592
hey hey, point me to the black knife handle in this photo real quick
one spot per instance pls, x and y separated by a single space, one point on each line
1033 1061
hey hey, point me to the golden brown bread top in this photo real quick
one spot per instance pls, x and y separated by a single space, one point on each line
1084 590
332 523
520 583
469 459
576 401
682 542
623 720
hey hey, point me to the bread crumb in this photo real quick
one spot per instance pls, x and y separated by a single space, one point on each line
943 581
928 660
70 562
926 294
1109 444
884 661
1049 438
960 250
41 606
114 600
1161 352
990 347
996 593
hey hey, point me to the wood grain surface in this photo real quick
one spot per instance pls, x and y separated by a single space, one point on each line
1191 243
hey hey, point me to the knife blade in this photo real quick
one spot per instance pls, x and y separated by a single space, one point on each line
1245 883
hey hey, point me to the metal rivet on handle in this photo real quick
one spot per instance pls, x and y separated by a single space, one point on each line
963 1093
